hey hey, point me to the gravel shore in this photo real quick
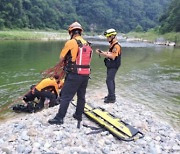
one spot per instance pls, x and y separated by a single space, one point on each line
31 133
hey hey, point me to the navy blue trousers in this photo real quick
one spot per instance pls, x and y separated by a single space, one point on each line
110 82
41 95
74 84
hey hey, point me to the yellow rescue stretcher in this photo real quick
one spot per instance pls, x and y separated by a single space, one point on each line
115 126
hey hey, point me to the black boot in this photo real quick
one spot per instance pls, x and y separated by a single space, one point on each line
57 121
110 100
79 119
105 97
75 116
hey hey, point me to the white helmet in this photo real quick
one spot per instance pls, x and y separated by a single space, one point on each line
110 32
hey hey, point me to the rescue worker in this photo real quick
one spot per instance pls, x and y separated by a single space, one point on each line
46 89
112 62
76 55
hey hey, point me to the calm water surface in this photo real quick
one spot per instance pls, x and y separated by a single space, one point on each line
149 74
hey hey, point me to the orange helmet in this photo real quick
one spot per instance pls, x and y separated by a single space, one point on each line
75 25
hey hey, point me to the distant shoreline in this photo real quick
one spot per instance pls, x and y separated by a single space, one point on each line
169 39
33 35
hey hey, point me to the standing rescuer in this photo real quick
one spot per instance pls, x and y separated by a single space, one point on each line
112 62
76 55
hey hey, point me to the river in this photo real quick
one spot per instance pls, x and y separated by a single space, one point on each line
149 74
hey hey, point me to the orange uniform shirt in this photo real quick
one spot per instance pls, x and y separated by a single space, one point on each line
48 82
71 45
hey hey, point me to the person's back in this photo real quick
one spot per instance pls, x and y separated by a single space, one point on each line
77 66
78 57
48 84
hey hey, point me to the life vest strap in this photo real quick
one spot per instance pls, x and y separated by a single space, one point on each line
82 66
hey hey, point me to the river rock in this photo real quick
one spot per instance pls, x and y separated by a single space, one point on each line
12 138
36 145
32 133
176 148
105 150
28 150
24 136
157 138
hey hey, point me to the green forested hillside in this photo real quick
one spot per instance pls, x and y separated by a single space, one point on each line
170 21
124 15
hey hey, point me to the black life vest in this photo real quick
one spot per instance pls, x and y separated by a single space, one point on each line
82 63
116 63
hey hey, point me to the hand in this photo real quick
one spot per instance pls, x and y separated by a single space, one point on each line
98 51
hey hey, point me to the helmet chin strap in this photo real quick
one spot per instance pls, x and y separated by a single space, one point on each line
111 40
72 35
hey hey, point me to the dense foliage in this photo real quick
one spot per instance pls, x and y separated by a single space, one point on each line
170 21
94 15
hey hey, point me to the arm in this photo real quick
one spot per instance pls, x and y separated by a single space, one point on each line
105 54
64 51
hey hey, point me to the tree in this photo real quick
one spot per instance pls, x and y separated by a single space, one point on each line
170 21
122 15
138 28
1 24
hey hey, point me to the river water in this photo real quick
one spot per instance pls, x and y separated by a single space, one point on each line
149 74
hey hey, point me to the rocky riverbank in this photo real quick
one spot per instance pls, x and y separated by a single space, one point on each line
31 133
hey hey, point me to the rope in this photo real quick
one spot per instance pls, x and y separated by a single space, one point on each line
55 70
